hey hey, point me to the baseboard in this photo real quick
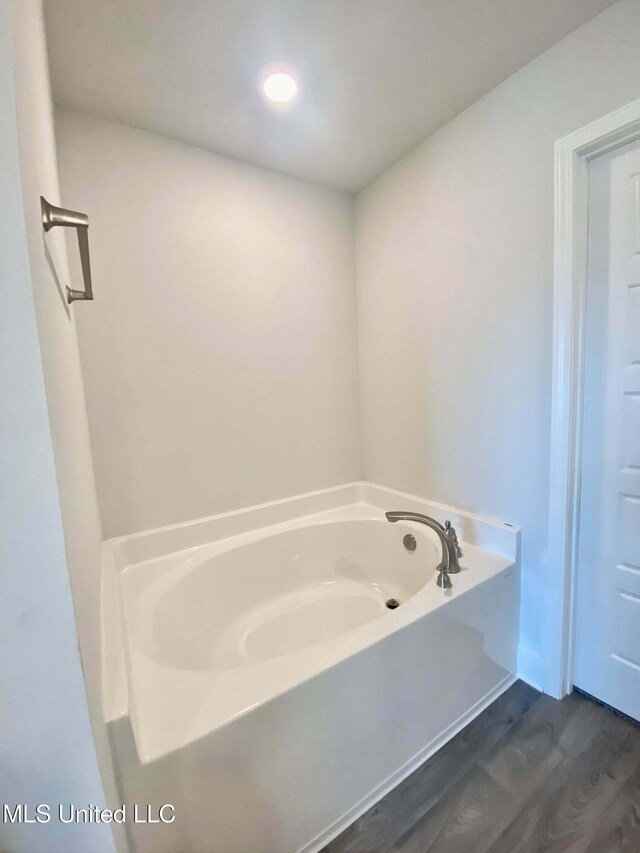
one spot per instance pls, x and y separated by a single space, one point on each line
531 669
412 764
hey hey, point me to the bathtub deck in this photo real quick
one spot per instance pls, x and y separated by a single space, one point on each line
529 774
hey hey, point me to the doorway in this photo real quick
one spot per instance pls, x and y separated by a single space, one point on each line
607 614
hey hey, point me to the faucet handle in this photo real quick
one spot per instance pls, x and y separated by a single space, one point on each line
444 581
451 533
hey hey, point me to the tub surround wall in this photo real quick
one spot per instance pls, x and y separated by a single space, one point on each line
219 356
455 285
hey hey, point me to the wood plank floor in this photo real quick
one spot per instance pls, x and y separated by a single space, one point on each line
529 774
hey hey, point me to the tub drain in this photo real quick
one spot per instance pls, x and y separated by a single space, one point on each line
392 603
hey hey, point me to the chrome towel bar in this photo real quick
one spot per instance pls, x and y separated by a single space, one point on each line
52 216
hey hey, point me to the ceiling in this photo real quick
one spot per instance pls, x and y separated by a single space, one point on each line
376 76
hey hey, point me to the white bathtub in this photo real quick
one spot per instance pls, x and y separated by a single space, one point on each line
256 680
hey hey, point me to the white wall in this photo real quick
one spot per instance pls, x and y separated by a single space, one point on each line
219 359
47 753
219 356
455 280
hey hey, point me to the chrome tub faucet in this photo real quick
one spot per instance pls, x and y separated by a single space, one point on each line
451 551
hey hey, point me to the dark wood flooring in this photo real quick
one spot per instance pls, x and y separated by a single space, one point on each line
529 774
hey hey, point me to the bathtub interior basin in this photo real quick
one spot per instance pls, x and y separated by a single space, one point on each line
278 594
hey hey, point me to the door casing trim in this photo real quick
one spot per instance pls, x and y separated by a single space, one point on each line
572 155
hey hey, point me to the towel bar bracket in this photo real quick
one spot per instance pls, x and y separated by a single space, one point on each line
53 216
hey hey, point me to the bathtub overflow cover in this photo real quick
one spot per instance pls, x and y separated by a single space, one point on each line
409 542
392 603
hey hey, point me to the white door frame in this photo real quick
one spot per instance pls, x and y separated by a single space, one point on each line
572 156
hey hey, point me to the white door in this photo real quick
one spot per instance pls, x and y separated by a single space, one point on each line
607 658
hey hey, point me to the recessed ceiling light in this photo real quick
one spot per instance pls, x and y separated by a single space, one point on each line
280 87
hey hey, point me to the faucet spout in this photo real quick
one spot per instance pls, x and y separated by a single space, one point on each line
444 567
